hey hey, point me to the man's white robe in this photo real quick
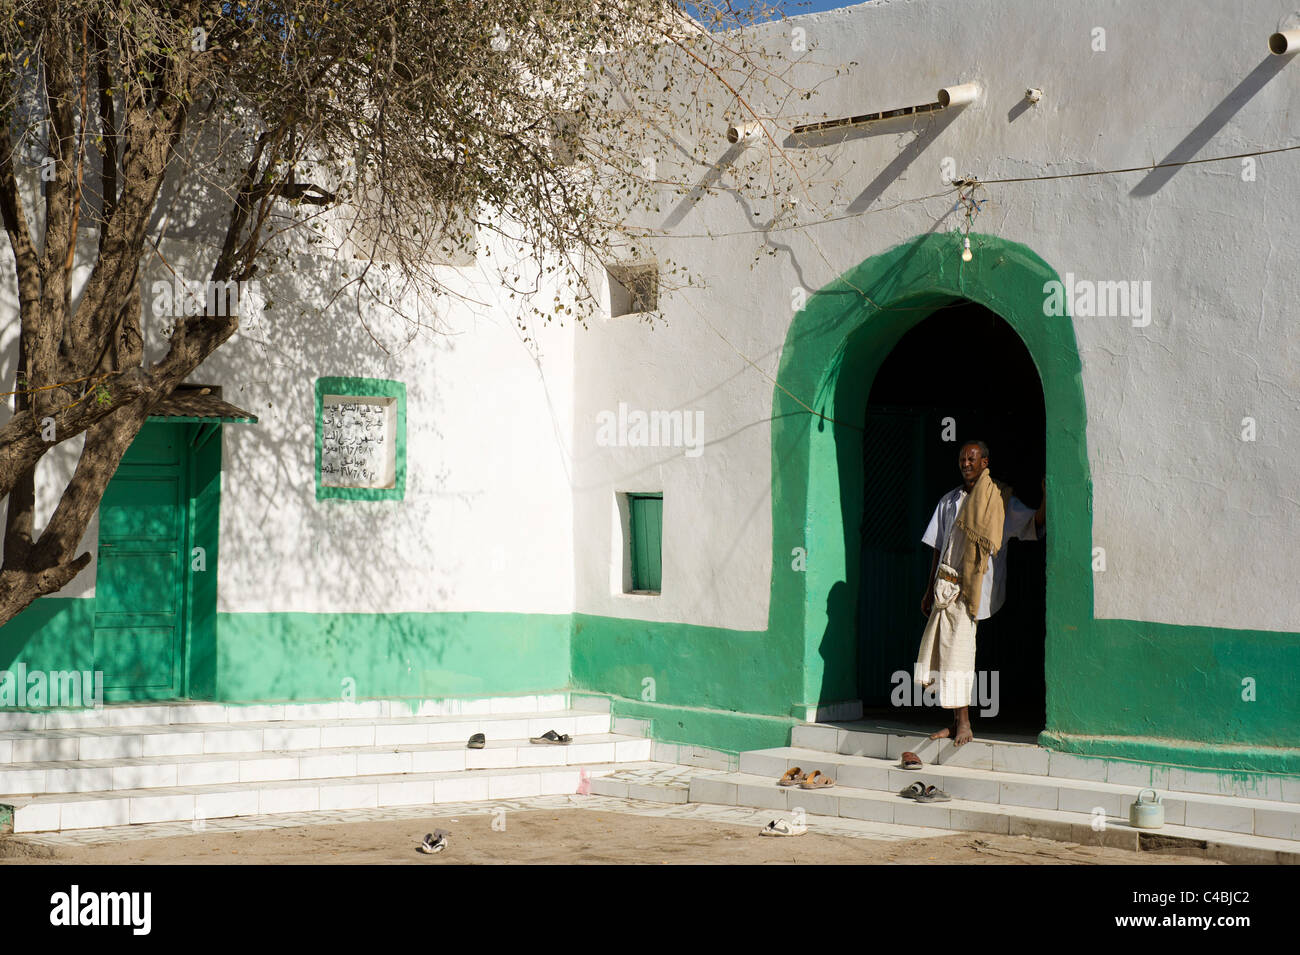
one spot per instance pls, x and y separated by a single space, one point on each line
947 653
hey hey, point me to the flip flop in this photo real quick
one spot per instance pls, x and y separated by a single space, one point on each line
911 761
933 794
817 780
792 777
477 741
914 791
550 736
778 827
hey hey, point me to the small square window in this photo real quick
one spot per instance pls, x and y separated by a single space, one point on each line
360 439
645 539
632 289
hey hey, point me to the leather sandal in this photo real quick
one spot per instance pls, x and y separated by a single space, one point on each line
792 777
911 761
933 794
817 780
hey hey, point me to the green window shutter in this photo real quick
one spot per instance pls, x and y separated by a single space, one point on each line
647 518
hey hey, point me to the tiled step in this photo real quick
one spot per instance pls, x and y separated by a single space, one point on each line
648 780
1259 817
1027 758
165 714
181 739
360 761
132 806
747 789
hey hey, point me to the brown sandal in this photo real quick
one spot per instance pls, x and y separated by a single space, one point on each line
792 777
817 780
911 761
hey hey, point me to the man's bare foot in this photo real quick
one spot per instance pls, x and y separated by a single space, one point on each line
960 733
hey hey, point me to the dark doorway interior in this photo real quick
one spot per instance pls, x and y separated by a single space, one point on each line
965 363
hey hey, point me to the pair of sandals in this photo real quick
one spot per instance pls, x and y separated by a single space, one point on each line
923 793
478 740
814 780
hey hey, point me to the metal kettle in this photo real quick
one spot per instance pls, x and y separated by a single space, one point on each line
1147 813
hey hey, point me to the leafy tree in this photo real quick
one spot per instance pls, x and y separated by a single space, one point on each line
398 128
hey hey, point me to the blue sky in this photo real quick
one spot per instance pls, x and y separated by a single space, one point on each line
791 7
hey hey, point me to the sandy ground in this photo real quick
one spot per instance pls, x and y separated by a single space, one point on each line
567 836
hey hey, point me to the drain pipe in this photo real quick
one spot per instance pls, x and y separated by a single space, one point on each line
958 95
1284 43
743 132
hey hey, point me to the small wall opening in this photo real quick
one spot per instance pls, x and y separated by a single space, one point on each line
632 289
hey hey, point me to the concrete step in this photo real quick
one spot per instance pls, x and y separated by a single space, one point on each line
761 791
247 737
1023 756
107 775
168 713
649 780
1260 817
170 804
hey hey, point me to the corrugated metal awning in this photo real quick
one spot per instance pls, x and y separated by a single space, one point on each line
200 404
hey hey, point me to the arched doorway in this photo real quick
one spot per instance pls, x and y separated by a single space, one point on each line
961 373
833 350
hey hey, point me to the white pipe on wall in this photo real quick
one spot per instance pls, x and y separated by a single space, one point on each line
958 95
743 132
1285 42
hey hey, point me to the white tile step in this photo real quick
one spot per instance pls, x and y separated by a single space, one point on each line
178 739
746 789
647 779
172 804
1027 757
103 775
165 713
1260 817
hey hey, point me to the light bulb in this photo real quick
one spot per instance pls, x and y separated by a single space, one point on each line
966 254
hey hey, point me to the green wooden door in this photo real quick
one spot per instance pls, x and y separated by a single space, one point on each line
896 506
140 584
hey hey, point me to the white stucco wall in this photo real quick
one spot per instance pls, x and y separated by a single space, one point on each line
486 521
1191 517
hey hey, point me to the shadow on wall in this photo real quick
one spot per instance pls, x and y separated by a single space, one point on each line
1206 129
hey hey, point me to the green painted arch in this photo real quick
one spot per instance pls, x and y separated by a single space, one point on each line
832 351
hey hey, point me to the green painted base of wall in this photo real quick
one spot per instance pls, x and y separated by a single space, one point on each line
294 656
710 729
301 656
684 665
1231 688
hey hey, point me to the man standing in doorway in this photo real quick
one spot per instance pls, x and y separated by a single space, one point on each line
969 533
